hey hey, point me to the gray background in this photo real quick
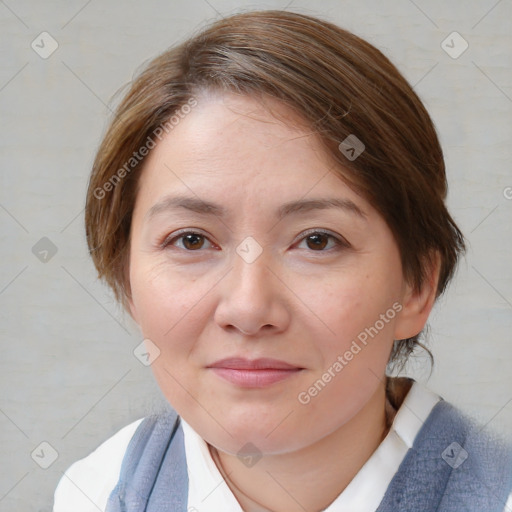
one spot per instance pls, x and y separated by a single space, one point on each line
68 375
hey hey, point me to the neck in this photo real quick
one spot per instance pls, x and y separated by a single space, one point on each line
311 478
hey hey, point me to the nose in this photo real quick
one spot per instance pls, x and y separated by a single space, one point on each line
252 298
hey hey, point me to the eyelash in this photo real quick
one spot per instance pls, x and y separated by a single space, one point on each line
340 242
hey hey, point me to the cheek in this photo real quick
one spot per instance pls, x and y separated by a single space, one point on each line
169 306
171 312
348 305
359 311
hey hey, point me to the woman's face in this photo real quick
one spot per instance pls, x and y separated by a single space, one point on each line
247 247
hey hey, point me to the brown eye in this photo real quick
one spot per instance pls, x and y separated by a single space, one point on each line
317 241
188 241
320 241
193 241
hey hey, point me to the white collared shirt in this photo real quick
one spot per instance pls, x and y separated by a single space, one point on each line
87 484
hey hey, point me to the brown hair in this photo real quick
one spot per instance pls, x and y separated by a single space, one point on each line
338 83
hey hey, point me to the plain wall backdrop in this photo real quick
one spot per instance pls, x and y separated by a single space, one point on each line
68 374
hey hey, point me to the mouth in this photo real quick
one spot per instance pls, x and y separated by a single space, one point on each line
256 373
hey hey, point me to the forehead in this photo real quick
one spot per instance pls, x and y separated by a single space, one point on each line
230 140
227 128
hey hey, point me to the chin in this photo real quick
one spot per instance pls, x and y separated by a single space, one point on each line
271 435
259 441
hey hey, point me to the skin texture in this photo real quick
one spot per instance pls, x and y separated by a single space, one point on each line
303 300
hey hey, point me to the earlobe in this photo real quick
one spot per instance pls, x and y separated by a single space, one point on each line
417 304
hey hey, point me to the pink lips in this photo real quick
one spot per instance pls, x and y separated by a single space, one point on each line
255 373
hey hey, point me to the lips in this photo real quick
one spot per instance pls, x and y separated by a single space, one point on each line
240 363
255 373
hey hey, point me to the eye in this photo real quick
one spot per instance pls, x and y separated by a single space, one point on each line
321 241
187 240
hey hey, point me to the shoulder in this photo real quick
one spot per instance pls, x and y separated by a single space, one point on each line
464 442
470 465
451 459
87 484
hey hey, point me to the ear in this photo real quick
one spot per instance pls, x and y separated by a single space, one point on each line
417 304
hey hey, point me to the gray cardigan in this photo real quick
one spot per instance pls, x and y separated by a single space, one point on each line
452 467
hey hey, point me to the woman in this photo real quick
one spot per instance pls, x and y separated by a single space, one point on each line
268 204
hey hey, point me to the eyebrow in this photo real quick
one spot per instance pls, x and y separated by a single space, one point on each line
202 207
